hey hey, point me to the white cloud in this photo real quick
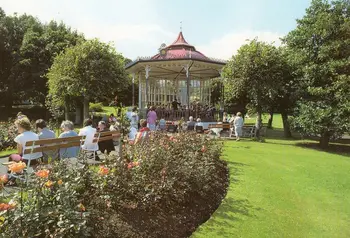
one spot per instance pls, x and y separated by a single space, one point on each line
135 28
227 45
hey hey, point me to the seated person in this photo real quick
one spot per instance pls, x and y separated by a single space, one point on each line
162 124
89 132
182 124
143 133
68 131
107 145
199 126
46 133
23 126
112 118
191 124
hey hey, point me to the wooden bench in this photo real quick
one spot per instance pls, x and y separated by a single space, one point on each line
48 145
219 126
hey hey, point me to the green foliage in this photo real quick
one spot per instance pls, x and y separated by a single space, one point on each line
151 184
321 42
96 107
27 49
92 70
8 132
253 75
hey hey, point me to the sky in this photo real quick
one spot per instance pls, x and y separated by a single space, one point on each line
217 28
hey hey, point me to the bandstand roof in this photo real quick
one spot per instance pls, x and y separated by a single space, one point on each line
170 61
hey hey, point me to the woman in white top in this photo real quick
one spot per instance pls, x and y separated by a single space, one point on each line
238 123
23 126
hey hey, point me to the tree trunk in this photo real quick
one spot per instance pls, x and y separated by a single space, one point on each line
286 126
324 140
78 114
66 111
269 123
86 108
258 125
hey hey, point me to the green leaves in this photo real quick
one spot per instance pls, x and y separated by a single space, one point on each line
321 42
87 69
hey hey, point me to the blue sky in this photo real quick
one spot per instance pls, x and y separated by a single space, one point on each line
138 27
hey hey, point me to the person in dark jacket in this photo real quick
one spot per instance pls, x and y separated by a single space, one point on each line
104 146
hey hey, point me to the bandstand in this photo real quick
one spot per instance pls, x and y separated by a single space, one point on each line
178 72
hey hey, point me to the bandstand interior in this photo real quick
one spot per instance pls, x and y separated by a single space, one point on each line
178 72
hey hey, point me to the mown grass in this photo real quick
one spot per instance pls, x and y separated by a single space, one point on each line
280 189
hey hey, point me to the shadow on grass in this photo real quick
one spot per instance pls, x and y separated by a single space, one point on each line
342 148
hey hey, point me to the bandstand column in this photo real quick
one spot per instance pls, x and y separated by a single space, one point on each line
222 95
133 89
187 69
140 92
147 70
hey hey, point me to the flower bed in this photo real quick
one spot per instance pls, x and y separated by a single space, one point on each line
164 187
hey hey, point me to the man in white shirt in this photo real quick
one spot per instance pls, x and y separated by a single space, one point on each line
89 132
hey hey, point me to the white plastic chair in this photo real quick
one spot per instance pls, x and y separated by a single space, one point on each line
89 145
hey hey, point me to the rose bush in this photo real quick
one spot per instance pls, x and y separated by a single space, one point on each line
162 187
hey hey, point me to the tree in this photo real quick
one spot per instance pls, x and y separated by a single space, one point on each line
27 49
254 73
91 71
12 31
288 92
322 44
39 47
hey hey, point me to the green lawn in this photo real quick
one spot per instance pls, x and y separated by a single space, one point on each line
109 110
276 122
278 189
6 152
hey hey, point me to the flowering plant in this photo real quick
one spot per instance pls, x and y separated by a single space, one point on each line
156 186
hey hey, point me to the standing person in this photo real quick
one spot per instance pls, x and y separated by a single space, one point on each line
152 119
45 133
68 131
225 117
134 118
238 123
175 104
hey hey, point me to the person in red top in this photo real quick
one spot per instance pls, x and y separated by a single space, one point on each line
143 132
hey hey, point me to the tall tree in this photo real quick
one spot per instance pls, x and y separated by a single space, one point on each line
254 73
12 31
39 47
322 42
92 71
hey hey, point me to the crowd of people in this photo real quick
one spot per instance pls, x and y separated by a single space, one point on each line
139 130
175 111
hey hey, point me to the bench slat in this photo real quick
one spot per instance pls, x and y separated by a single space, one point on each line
52 141
52 147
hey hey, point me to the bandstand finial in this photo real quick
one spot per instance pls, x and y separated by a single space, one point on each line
180 26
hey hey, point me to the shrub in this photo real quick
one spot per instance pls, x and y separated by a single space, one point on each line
96 107
8 132
163 187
